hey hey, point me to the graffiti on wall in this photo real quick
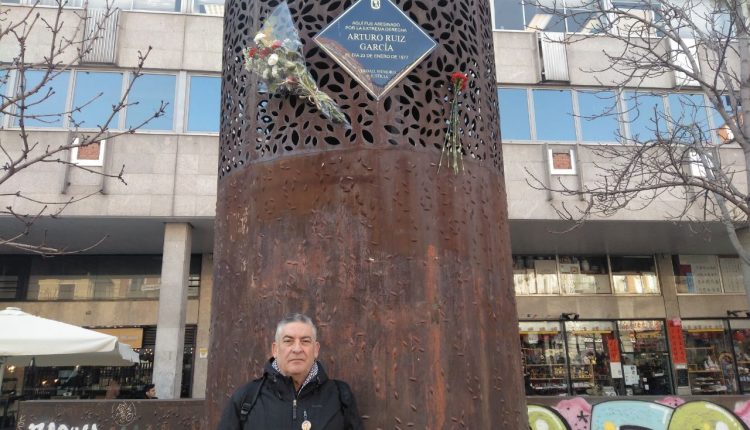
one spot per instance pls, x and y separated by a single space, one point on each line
669 413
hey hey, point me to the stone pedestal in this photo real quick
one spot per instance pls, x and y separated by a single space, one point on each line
406 270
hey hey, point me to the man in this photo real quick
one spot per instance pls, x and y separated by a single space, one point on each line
149 391
294 392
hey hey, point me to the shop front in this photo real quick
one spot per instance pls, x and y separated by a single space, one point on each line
598 358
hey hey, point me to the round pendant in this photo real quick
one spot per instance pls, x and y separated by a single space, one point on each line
306 425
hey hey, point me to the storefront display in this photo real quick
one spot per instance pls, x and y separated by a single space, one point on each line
589 347
740 336
645 357
543 354
711 366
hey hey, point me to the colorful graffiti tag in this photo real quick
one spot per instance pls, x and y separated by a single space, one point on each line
669 413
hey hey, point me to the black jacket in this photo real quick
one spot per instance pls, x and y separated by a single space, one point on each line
328 404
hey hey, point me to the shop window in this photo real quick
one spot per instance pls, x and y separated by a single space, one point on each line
711 367
100 382
117 277
95 94
47 106
508 15
646 367
645 116
584 275
150 91
553 113
740 337
514 114
543 354
203 108
598 116
535 275
707 274
591 347
634 275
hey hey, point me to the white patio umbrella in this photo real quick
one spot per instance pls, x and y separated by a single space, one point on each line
53 343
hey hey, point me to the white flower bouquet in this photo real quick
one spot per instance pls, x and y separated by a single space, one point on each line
277 59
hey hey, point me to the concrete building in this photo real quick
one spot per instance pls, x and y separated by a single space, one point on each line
604 293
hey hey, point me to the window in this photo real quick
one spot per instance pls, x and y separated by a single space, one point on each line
646 366
208 7
534 274
544 15
686 111
514 118
508 15
160 5
709 357
46 107
645 116
553 114
707 274
95 277
150 91
584 275
598 116
95 93
204 104
634 275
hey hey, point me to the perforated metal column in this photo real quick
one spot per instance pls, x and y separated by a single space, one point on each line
406 270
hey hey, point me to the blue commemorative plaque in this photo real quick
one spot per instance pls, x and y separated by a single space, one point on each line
376 43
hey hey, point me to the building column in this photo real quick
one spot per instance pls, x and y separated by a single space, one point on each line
170 328
204 324
668 285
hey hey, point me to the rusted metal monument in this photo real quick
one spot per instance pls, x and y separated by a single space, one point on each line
406 269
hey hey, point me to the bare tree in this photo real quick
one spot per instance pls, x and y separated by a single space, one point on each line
704 45
66 36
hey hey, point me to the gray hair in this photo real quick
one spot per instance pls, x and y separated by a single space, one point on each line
295 318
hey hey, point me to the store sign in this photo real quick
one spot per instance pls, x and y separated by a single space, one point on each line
132 336
376 43
676 342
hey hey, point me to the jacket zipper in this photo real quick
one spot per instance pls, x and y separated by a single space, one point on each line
294 410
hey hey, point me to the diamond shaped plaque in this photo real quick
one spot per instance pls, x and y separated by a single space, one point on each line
376 43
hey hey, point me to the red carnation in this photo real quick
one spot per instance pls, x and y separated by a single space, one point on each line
251 52
276 44
264 52
458 78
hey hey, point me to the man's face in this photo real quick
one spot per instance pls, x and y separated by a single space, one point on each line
296 350
151 393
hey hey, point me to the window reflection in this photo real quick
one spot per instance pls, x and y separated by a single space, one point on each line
646 116
634 275
514 117
508 15
598 116
150 91
553 113
46 107
160 5
95 93
208 7
204 104
688 115
101 277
